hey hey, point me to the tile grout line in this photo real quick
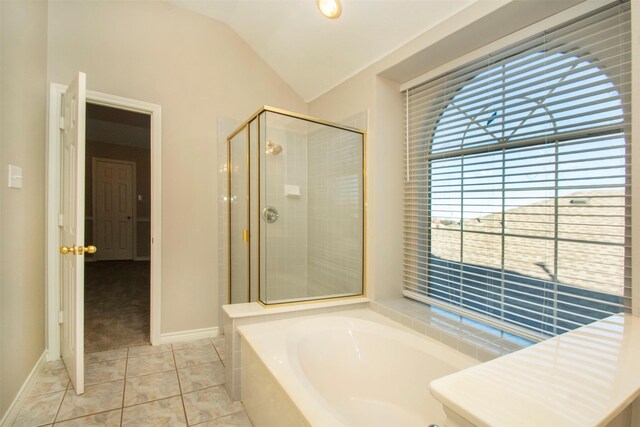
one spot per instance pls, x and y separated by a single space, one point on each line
184 409
149 401
84 416
66 390
217 352
70 388
203 363
207 388
124 387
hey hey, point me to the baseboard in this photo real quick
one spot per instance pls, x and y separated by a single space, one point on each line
136 258
193 334
14 409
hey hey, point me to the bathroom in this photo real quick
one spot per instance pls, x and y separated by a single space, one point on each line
501 307
210 102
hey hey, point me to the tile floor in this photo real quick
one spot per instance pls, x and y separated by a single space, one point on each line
116 304
167 385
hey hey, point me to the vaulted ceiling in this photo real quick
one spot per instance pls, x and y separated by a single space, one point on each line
312 53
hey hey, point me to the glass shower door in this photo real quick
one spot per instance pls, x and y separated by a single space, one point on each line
312 210
239 216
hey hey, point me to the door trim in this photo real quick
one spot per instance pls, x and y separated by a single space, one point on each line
52 204
134 202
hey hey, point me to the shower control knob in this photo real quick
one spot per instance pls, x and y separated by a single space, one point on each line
270 214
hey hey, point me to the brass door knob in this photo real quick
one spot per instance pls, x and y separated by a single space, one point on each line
66 249
78 250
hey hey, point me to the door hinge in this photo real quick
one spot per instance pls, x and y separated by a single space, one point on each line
61 123
60 220
60 317
245 235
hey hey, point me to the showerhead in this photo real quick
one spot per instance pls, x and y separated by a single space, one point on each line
273 148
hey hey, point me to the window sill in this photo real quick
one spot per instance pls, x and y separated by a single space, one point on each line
473 338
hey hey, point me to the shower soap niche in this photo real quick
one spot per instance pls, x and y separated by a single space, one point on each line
292 191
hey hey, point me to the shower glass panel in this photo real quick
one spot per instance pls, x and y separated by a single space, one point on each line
239 212
305 183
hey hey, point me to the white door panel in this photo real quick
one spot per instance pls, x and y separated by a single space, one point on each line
113 189
72 230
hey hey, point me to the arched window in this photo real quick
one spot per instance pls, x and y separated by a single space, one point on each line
519 169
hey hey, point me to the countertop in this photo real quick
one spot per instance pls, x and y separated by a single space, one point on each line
585 377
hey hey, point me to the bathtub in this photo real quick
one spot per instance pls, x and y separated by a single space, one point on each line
350 368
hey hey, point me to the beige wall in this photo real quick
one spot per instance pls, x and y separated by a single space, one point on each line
382 100
197 70
2 165
24 95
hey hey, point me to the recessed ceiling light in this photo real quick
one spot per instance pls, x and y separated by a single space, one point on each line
330 8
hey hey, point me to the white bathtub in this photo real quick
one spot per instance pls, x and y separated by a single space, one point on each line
350 368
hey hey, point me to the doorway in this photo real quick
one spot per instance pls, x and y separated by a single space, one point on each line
55 315
117 221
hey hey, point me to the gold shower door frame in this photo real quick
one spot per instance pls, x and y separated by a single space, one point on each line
246 127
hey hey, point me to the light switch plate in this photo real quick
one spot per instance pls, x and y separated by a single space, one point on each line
15 176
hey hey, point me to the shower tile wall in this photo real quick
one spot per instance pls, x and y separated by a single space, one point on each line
286 248
334 242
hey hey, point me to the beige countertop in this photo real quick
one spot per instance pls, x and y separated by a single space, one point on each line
585 377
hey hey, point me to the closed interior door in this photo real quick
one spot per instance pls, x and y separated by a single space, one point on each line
113 191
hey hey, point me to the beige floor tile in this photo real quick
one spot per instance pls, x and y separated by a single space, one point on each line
165 412
239 419
151 387
142 350
102 372
195 356
219 345
201 376
53 377
106 419
150 364
103 356
192 344
209 404
96 398
39 410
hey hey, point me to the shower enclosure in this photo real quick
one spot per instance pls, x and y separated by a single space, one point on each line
296 209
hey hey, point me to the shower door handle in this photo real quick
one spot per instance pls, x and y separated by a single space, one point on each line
270 214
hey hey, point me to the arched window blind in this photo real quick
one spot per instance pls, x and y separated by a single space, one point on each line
517 187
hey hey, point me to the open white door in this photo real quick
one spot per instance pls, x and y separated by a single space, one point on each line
72 230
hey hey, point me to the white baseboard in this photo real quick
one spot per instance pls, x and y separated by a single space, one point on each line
193 334
14 409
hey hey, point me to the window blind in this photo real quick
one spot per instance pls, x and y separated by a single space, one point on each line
517 200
